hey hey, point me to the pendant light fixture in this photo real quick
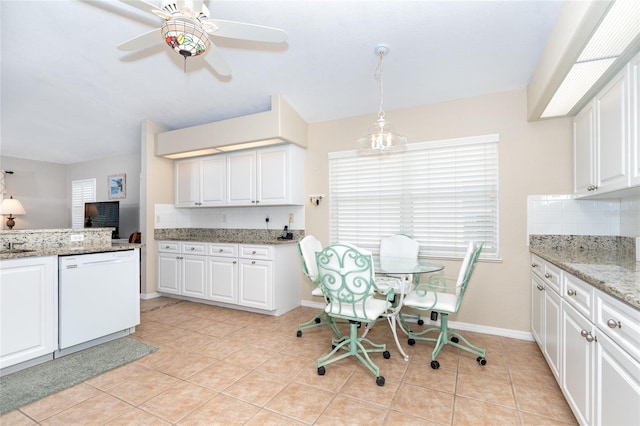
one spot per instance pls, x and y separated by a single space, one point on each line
381 137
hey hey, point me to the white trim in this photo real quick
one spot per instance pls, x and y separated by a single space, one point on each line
148 296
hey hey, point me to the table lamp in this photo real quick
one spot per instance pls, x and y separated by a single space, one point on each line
11 206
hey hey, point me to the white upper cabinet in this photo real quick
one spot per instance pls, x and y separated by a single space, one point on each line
201 182
606 153
266 177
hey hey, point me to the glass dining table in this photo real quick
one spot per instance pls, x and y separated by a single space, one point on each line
404 268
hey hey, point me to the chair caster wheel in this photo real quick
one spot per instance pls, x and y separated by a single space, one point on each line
318 320
299 333
380 381
321 371
435 364
455 339
411 342
481 360
420 322
386 354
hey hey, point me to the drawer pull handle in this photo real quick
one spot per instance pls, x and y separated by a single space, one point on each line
613 324
571 292
548 275
540 287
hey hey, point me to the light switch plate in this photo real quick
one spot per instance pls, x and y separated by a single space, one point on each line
77 237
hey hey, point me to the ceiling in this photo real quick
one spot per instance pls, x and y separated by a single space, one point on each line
68 95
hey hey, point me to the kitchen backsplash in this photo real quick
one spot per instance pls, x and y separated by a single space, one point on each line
566 215
167 216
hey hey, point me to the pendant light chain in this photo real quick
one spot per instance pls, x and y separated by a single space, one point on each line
378 76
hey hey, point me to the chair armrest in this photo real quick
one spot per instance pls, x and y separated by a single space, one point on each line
437 283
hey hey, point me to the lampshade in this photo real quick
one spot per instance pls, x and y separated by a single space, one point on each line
381 137
185 37
90 210
11 206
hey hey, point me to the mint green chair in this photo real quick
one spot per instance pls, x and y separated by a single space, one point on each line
436 296
346 277
308 246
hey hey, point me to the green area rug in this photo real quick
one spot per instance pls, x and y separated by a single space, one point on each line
34 383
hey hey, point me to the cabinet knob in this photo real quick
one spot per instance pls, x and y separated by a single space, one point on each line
613 324
540 287
534 265
193 248
253 252
221 250
548 275
592 188
571 292
588 336
253 262
253 201
235 261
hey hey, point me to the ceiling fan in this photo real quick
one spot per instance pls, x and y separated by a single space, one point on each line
187 30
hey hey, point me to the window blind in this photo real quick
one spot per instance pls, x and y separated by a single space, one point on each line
443 194
82 191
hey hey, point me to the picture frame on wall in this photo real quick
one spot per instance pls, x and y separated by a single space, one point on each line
117 186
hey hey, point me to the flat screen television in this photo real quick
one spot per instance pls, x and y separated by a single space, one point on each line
103 214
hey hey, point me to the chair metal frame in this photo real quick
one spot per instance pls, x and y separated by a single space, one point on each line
432 295
312 243
346 276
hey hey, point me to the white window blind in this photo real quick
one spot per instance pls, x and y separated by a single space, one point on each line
443 194
82 191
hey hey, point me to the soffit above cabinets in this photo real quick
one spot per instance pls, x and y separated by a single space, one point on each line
574 66
281 124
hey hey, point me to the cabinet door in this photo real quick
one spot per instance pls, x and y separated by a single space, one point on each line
617 385
584 150
194 272
537 309
552 330
214 181
272 168
634 137
241 178
611 139
577 363
222 279
168 273
187 183
28 309
255 284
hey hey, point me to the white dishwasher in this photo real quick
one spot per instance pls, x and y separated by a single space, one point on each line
99 297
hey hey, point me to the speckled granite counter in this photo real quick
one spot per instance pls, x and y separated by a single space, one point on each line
607 263
57 242
236 236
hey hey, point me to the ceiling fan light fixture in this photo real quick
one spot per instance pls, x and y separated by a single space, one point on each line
186 38
381 137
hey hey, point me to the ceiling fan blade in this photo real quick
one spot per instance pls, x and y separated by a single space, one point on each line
244 31
147 7
217 62
142 41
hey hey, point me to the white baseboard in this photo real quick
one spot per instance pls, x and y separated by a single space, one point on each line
496 331
147 296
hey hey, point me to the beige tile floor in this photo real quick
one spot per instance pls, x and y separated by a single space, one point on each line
222 366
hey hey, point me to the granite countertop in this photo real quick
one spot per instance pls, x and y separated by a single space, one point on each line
231 236
258 241
68 250
615 272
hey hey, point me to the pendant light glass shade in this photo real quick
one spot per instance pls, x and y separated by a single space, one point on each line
381 137
185 37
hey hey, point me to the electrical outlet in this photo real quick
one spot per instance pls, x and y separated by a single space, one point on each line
77 237
290 217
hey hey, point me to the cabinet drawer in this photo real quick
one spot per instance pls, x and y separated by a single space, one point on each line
537 266
194 248
256 252
223 250
169 247
552 276
579 294
619 321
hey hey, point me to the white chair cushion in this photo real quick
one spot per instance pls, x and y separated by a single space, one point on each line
374 308
317 292
441 302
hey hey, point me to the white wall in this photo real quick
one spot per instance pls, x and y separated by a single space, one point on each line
41 188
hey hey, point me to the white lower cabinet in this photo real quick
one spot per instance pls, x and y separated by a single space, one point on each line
598 347
179 271
265 278
28 309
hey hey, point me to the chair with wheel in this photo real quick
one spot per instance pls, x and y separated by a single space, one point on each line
346 276
440 298
308 246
